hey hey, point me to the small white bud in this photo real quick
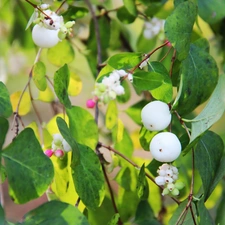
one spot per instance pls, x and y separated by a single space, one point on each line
66 146
168 180
160 180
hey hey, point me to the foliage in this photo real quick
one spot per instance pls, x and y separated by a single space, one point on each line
122 55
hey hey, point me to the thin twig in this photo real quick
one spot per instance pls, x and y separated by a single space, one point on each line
172 62
165 55
57 11
111 193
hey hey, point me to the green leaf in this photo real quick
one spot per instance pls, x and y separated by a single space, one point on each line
220 215
82 126
114 220
61 83
64 130
29 170
208 154
124 178
178 27
38 74
187 220
31 20
125 16
145 81
199 76
5 104
123 144
134 111
124 61
142 184
211 11
111 116
212 111
130 6
88 177
165 91
145 136
55 212
61 54
205 218
145 215
74 12
4 126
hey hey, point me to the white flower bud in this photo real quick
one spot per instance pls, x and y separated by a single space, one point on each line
168 180
175 177
119 90
162 172
130 77
169 173
57 139
164 166
122 73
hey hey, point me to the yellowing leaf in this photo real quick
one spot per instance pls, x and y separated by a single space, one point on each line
25 103
47 95
75 84
34 127
52 125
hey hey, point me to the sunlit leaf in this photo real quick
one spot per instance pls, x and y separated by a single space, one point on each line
134 111
74 12
55 212
114 220
38 74
178 27
61 53
165 91
75 84
111 115
61 83
130 6
82 126
145 136
46 95
25 160
25 104
5 105
125 97
142 184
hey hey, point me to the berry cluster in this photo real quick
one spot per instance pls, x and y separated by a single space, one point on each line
50 27
111 86
153 27
59 147
168 176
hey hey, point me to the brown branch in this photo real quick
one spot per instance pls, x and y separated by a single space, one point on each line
111 193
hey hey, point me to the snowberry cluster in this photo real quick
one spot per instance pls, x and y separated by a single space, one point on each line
168 176
153 27
50 27
59 147
109 88
164 146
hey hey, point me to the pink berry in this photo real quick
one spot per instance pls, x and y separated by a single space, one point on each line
59 153
169 44
90 103
49 152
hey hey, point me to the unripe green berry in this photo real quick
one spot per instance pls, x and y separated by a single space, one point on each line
175 192
101 87
61 35
69 24
165 191
179 185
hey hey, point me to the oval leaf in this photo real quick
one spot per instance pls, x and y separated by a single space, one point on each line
199 76
88 177
111 115
38 73
82 126
61 83
29 170
61 53
178 27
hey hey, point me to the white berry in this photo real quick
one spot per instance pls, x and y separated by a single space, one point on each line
43 37
156 116
165 147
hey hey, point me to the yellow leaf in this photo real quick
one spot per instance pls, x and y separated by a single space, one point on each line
25 103
75 84
34 127
47 95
